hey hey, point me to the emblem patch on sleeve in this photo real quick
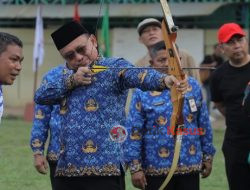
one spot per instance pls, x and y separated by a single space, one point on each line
118 134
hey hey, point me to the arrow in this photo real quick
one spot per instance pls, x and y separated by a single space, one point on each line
99 68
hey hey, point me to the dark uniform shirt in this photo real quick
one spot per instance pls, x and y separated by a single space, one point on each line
228 84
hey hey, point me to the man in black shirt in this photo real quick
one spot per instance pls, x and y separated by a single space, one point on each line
228 83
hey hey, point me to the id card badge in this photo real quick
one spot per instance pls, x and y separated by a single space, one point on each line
192 104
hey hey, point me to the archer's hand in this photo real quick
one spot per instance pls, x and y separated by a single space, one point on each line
206 168
40 163
181 86
83 76
139 180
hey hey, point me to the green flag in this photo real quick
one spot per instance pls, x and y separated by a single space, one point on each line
104 45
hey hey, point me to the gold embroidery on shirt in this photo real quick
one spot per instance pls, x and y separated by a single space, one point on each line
163 152
71 170
161 120
190 118
89 147
39 114
63 106
192 150
153 171
51 156
91 105
37 143
138 106
155 93
141 76
122 73
136 135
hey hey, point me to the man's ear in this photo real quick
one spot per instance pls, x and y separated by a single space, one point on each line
93 40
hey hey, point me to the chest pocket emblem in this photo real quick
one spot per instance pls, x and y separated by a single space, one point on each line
190 118
89 147
91 105
161 120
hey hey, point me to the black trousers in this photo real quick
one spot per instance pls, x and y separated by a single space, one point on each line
177 182
237 168
52 168
90 183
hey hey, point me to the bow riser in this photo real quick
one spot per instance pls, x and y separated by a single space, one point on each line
169 31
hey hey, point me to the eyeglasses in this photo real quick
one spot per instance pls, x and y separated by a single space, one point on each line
70 55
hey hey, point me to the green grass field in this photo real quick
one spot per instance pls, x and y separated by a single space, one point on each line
17 171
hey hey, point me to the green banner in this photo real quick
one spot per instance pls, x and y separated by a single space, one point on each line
104 43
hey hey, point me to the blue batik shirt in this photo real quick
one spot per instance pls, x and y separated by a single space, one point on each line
1 103
47 121
150 143
92 111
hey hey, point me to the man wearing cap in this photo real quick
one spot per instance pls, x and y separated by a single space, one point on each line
91 155
149 31
11 56
228 83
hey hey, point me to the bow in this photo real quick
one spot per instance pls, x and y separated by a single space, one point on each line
174 68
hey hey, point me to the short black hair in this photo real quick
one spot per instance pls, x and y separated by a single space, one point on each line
8 39
208 59
155 48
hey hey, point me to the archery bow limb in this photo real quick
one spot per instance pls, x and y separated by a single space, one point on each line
169 35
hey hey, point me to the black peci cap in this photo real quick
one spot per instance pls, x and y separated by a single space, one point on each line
67 33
